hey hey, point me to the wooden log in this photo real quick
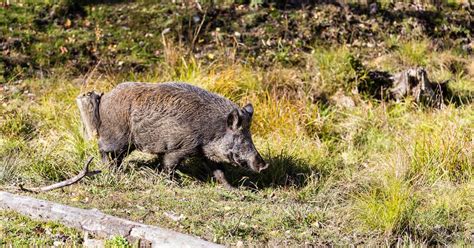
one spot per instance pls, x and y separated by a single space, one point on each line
98 223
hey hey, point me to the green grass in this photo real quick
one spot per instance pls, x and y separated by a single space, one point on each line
374 174
17 230
414 53
386 208
117 241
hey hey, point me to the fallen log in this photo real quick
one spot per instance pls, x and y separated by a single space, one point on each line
98 223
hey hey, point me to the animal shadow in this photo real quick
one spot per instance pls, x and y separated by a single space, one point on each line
284 171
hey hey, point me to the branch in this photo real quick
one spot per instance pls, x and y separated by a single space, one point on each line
85 172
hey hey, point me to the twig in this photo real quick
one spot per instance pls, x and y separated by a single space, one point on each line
89 75
85 172
196 31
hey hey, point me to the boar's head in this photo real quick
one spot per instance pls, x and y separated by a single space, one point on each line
236 145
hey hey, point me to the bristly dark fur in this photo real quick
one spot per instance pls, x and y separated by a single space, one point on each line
176 120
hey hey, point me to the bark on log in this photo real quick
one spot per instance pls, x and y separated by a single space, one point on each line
98 223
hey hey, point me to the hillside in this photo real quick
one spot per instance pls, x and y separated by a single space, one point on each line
347 166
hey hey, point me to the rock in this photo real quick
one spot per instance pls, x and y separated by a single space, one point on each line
174 216
342 100
93 243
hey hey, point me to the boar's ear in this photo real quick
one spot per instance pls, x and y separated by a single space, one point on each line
249 109
234 120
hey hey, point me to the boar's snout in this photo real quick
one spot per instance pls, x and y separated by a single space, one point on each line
237 141
265 166
258 164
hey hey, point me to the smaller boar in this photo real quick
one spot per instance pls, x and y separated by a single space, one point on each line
174 120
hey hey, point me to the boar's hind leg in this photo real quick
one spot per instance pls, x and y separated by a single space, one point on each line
114 158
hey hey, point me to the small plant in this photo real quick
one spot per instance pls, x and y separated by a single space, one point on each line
117 242
414 53
333 69
18 124
386 208
20 231
438 157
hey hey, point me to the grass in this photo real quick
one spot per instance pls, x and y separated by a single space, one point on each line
386 208
374 173
371 173
17 230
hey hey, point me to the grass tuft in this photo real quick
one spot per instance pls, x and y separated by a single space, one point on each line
387 207
414 53
447 157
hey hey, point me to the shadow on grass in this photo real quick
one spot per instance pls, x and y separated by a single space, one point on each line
459 97
284 171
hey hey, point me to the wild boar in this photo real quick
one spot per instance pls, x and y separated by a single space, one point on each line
176 121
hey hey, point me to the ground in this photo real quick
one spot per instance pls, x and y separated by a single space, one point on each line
346 168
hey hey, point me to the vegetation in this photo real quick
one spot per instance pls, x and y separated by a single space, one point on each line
17 230
345 168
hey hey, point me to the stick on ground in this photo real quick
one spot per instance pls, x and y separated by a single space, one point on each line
85 172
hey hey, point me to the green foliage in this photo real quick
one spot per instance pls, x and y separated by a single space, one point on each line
386 208
438 157
8 167
414 53
17 124
117 242
334 68
371 173
17 230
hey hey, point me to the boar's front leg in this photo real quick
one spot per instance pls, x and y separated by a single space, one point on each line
220 177
218 173
171 160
